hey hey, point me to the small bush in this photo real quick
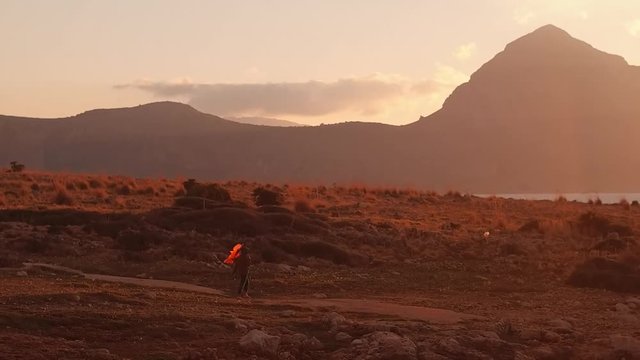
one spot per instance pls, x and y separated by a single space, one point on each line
124 190
17 167
62 197
263 196
607 274
593 224
213 192
625 204
95 184
81 185
303 206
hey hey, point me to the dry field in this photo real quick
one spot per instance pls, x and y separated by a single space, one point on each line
340 272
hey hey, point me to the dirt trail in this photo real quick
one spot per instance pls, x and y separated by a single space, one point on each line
165 284
432 315
407 312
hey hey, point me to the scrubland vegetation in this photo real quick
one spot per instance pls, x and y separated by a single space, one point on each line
504 260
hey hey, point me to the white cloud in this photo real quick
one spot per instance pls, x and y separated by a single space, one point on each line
450 76
367 96
633 27
523 17
465 51
584 15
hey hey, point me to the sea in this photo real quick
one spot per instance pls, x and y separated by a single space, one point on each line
606 198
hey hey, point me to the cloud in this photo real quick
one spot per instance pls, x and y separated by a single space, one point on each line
633 27
366 96
523 17
449 76
584 15
465 51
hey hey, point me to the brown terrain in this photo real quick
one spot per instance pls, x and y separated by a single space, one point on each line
548 114
108 267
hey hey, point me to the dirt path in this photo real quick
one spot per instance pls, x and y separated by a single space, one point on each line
432 315
164 284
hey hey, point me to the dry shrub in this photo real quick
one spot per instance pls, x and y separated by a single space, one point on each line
303 206
592 224
208 191
81 185
95 184
263 196
63 197
512 247
138 240
320 250
531 226
124 190
607 274
625 204
100 194
149 190
561 199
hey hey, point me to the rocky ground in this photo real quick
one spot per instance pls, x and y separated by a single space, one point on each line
339 273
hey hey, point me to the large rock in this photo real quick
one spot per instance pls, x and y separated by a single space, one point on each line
382 345
260 342
626 344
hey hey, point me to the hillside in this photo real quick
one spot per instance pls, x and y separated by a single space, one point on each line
106 267
548 114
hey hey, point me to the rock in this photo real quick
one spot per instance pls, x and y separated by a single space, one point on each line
561 326
395 273
151 295
320 296
522 356
260 342
550 336
303 268
430 355
633 300
343 337
312 344
284 268
22 273
530 334
451 346
333 320
620 307
357 342
240 325
288 313
100 354
543 352
626 317
382 345
626 344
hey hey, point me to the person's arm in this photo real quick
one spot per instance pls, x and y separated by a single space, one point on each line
235 269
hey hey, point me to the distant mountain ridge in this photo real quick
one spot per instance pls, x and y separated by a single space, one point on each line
548 114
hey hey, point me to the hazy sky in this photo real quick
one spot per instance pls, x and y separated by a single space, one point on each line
308 61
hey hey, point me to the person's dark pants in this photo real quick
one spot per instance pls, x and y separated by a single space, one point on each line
244 284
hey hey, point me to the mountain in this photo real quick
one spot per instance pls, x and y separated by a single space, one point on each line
548 114
256 120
